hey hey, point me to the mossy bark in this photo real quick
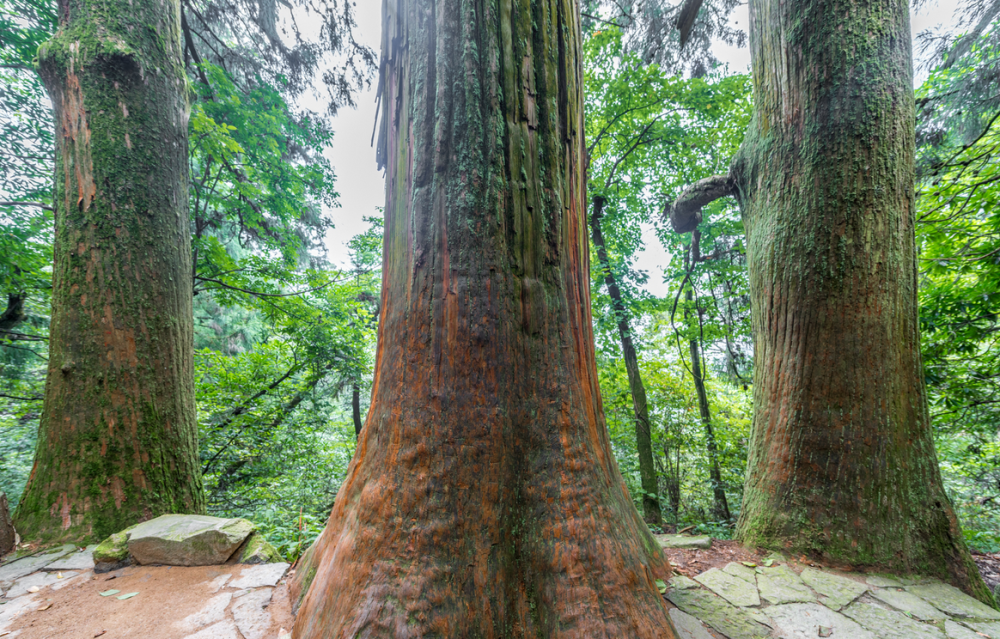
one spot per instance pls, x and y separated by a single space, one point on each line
483 499
117 441
643 433
842 462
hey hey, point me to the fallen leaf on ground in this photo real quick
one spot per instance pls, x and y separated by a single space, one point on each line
100 633
59 575
108 593
46 607
128 595
824 631
749 564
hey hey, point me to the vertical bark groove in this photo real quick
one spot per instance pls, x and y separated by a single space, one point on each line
483 499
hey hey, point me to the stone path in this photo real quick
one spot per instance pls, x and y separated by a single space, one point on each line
782 601
57 594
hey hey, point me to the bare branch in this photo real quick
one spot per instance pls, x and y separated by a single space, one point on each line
685 213
38 204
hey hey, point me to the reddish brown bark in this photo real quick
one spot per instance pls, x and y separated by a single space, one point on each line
483 499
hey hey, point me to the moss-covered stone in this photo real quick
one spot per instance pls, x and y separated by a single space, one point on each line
256 550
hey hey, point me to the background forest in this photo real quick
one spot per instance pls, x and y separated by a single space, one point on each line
285 341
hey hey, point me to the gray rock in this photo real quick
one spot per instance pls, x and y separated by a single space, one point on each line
8 536
839 591
256 550
780 584
213 611
680 582
889 624
221 630
733 589
909 603
688 627
251 615
718 613
684 541
11 572
187 540
958 631
259 575
38 579
884 581
745 573
953 601
216 584
80 560
15 608
803 621
987 628
70 578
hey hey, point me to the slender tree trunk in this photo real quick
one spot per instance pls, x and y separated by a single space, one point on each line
356 409
673 482
842 463
643 432
118 438
483 499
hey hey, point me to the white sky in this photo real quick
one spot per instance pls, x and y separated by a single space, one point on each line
362 187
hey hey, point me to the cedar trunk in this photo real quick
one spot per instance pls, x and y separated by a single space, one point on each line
118 438
643 433
842 463
483 499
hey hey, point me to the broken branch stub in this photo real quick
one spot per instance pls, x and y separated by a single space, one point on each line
685 212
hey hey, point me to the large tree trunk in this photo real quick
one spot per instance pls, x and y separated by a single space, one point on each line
643 432
483 499
842 462
118 439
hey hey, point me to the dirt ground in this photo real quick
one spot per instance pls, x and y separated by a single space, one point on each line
166 595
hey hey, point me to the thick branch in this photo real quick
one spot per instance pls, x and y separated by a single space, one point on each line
685 213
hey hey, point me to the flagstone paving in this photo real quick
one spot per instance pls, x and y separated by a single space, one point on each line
806 603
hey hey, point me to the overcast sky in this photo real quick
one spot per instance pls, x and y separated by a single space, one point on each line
362 187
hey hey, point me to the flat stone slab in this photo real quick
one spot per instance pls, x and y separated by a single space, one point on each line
889 624
251 615
680 582
804 620
187 540
11 572
684 541
38 580
991 629
260 575
213 611
958 631
745 573
718 613
884 581
687 626
839 591
954 602
733 589
908 603
780 584
80 560
15 608
222 630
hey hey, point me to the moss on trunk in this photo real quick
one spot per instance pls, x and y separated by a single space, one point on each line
118 438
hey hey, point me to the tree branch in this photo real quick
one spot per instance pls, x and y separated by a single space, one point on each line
38 204
685 213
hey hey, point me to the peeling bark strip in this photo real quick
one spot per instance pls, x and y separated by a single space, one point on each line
117 441
483 500
842 462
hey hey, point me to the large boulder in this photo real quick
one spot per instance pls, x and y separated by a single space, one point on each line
187 540
8 538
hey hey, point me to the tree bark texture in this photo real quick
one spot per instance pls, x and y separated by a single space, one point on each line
643 433
842 463
118 438
483 499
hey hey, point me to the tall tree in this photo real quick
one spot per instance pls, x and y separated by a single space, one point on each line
483 500
117 440
842 463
